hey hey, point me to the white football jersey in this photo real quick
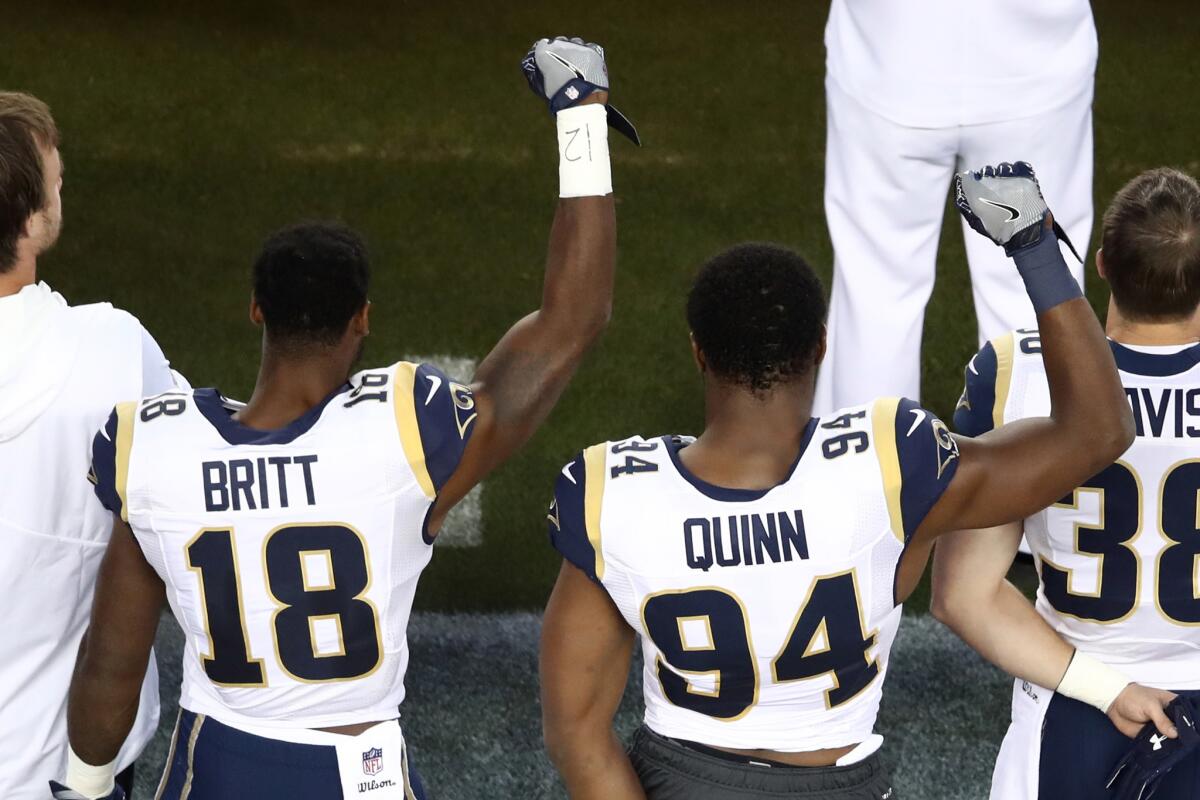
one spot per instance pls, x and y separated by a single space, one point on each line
291 556
1118 558
61 370
766 617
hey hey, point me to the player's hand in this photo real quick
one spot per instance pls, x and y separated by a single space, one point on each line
565 72
1153 755
1138 705
60 792
1005 204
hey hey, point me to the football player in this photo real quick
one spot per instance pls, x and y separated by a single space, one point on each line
62 367
762 565
288 534
1116 553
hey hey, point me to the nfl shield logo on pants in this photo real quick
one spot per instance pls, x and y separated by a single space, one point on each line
373 761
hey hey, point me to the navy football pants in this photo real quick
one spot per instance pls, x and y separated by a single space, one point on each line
1080 749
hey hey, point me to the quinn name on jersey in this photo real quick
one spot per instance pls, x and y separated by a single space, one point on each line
1118 558
290 557
766 617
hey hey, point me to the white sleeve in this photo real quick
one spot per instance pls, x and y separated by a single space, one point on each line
157 375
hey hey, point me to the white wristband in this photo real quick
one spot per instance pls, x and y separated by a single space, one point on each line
1089 681
90 781
583 166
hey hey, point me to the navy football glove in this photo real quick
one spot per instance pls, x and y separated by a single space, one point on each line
564 71
60 792
1005 204
1153 755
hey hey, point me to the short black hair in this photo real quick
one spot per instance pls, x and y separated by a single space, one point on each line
310 280
1151 245
757 312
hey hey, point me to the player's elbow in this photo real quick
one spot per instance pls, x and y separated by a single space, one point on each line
1123 433
581 328
1110 436
1108 442
590 325
950 601
942 606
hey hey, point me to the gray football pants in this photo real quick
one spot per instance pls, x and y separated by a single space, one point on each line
670 771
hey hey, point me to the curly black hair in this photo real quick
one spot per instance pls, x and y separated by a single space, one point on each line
310 280
757 312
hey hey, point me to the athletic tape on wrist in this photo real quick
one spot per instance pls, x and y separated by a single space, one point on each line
87 779
1090 681
1047 279
584 169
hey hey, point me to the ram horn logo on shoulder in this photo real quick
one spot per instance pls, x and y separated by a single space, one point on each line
947 447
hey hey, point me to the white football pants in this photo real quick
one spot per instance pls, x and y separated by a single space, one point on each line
885 195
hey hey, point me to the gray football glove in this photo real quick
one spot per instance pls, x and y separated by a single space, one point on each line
564 71
1005 204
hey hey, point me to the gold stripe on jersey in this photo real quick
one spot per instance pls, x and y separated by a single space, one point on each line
409 794
883 425
166 776
594 459
406 423
124 444
187 783
1003 345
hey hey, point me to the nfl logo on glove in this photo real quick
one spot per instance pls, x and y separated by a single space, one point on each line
373 761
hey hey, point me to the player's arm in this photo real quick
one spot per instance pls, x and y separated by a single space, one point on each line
973 597
1021 468
585 654
103 699
157 374
521 379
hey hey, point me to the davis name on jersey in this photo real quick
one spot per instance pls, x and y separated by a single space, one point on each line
1118 558
766 616
290 557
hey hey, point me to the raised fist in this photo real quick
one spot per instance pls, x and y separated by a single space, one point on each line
1004 203
563 72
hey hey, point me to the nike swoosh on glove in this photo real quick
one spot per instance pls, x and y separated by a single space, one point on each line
564 71
1005 204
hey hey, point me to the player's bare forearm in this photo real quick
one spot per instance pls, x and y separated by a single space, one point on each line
1009 473
972 596
586 648
103 698
521 380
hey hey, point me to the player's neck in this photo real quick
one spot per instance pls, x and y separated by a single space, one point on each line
288 388
750 441
1126 331
22 274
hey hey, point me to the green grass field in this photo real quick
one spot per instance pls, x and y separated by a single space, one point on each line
193 130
